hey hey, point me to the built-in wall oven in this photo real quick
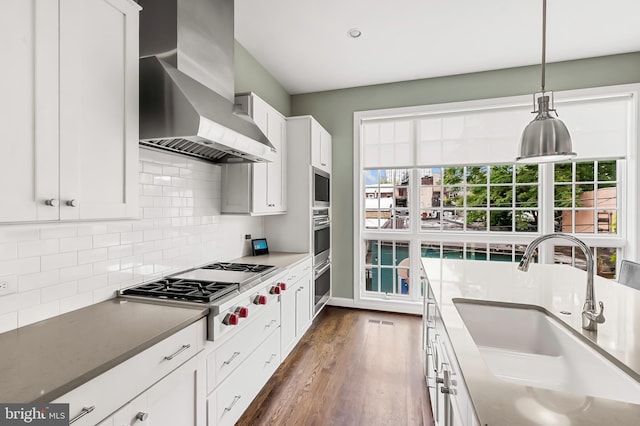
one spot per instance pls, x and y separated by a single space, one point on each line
321 258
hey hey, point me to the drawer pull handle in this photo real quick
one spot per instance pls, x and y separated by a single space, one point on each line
230 360
178 352
270 359
270 324
235 400
142 416
83 412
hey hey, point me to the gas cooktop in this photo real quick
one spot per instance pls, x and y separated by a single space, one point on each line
205 284
184 289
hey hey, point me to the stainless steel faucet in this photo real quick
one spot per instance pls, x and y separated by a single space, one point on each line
590 317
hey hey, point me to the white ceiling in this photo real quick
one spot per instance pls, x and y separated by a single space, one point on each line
304 43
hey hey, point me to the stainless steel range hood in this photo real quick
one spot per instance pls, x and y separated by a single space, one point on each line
187 101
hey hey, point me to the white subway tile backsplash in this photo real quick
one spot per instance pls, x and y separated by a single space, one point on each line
119 227
118 252
88 285
92 229
77 301
58 232
38 248
151 168
8 251
8 321
17 301
93 255
106 240
105 293
106 266
36 281
60 291
11 282
57 261
55 268
38 313
76 272
76 243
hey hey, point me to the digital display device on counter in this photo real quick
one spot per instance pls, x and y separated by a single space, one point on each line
259 246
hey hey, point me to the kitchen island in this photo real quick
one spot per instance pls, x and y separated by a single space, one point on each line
558 291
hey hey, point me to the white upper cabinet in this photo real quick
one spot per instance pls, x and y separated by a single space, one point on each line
69 138
259 188
320 147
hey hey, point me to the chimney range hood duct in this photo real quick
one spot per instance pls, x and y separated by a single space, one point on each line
187 101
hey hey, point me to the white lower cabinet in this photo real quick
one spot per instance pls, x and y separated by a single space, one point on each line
295 306
172 401
450 401
150 375
227 403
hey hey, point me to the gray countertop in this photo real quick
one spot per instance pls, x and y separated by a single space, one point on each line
45 360
554 288
42 361
279 259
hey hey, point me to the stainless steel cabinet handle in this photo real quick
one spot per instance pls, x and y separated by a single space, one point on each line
142 416
72 203
176 353
270 359
52 202
235 400
83 412
230 360
323 164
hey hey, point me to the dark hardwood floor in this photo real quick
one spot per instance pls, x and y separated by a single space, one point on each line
353 367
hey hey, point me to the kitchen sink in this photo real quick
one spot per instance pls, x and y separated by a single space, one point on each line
526 346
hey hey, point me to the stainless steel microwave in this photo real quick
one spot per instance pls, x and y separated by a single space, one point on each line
321 188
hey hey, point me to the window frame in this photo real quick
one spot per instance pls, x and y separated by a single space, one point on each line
626 239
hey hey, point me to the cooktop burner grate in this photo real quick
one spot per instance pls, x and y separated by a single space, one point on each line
184 289
239 267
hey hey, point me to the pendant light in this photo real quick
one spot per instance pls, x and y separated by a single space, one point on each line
546 139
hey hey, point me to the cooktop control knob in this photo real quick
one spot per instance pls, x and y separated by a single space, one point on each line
275 290
283 286
242 311
260 300
230 319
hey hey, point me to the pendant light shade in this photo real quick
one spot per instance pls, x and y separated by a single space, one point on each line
546 139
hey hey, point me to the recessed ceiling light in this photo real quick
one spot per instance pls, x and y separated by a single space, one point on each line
354 33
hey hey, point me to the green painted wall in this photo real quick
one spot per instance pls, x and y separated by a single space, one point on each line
334 110
250 76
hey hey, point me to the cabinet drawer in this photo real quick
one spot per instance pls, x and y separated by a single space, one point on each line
232 353
294 274
233 396
109 391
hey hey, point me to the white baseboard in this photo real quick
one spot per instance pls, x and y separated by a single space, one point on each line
377 305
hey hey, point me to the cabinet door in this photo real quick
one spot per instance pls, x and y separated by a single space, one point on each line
320 147
98 109
268 178
288 319
276 175
325 151
178 398
303 306
29 113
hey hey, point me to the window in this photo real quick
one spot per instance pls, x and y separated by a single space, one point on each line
439 181
498 198
387 266
386 199
586 197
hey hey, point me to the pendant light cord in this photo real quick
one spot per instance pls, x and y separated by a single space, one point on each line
544 40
